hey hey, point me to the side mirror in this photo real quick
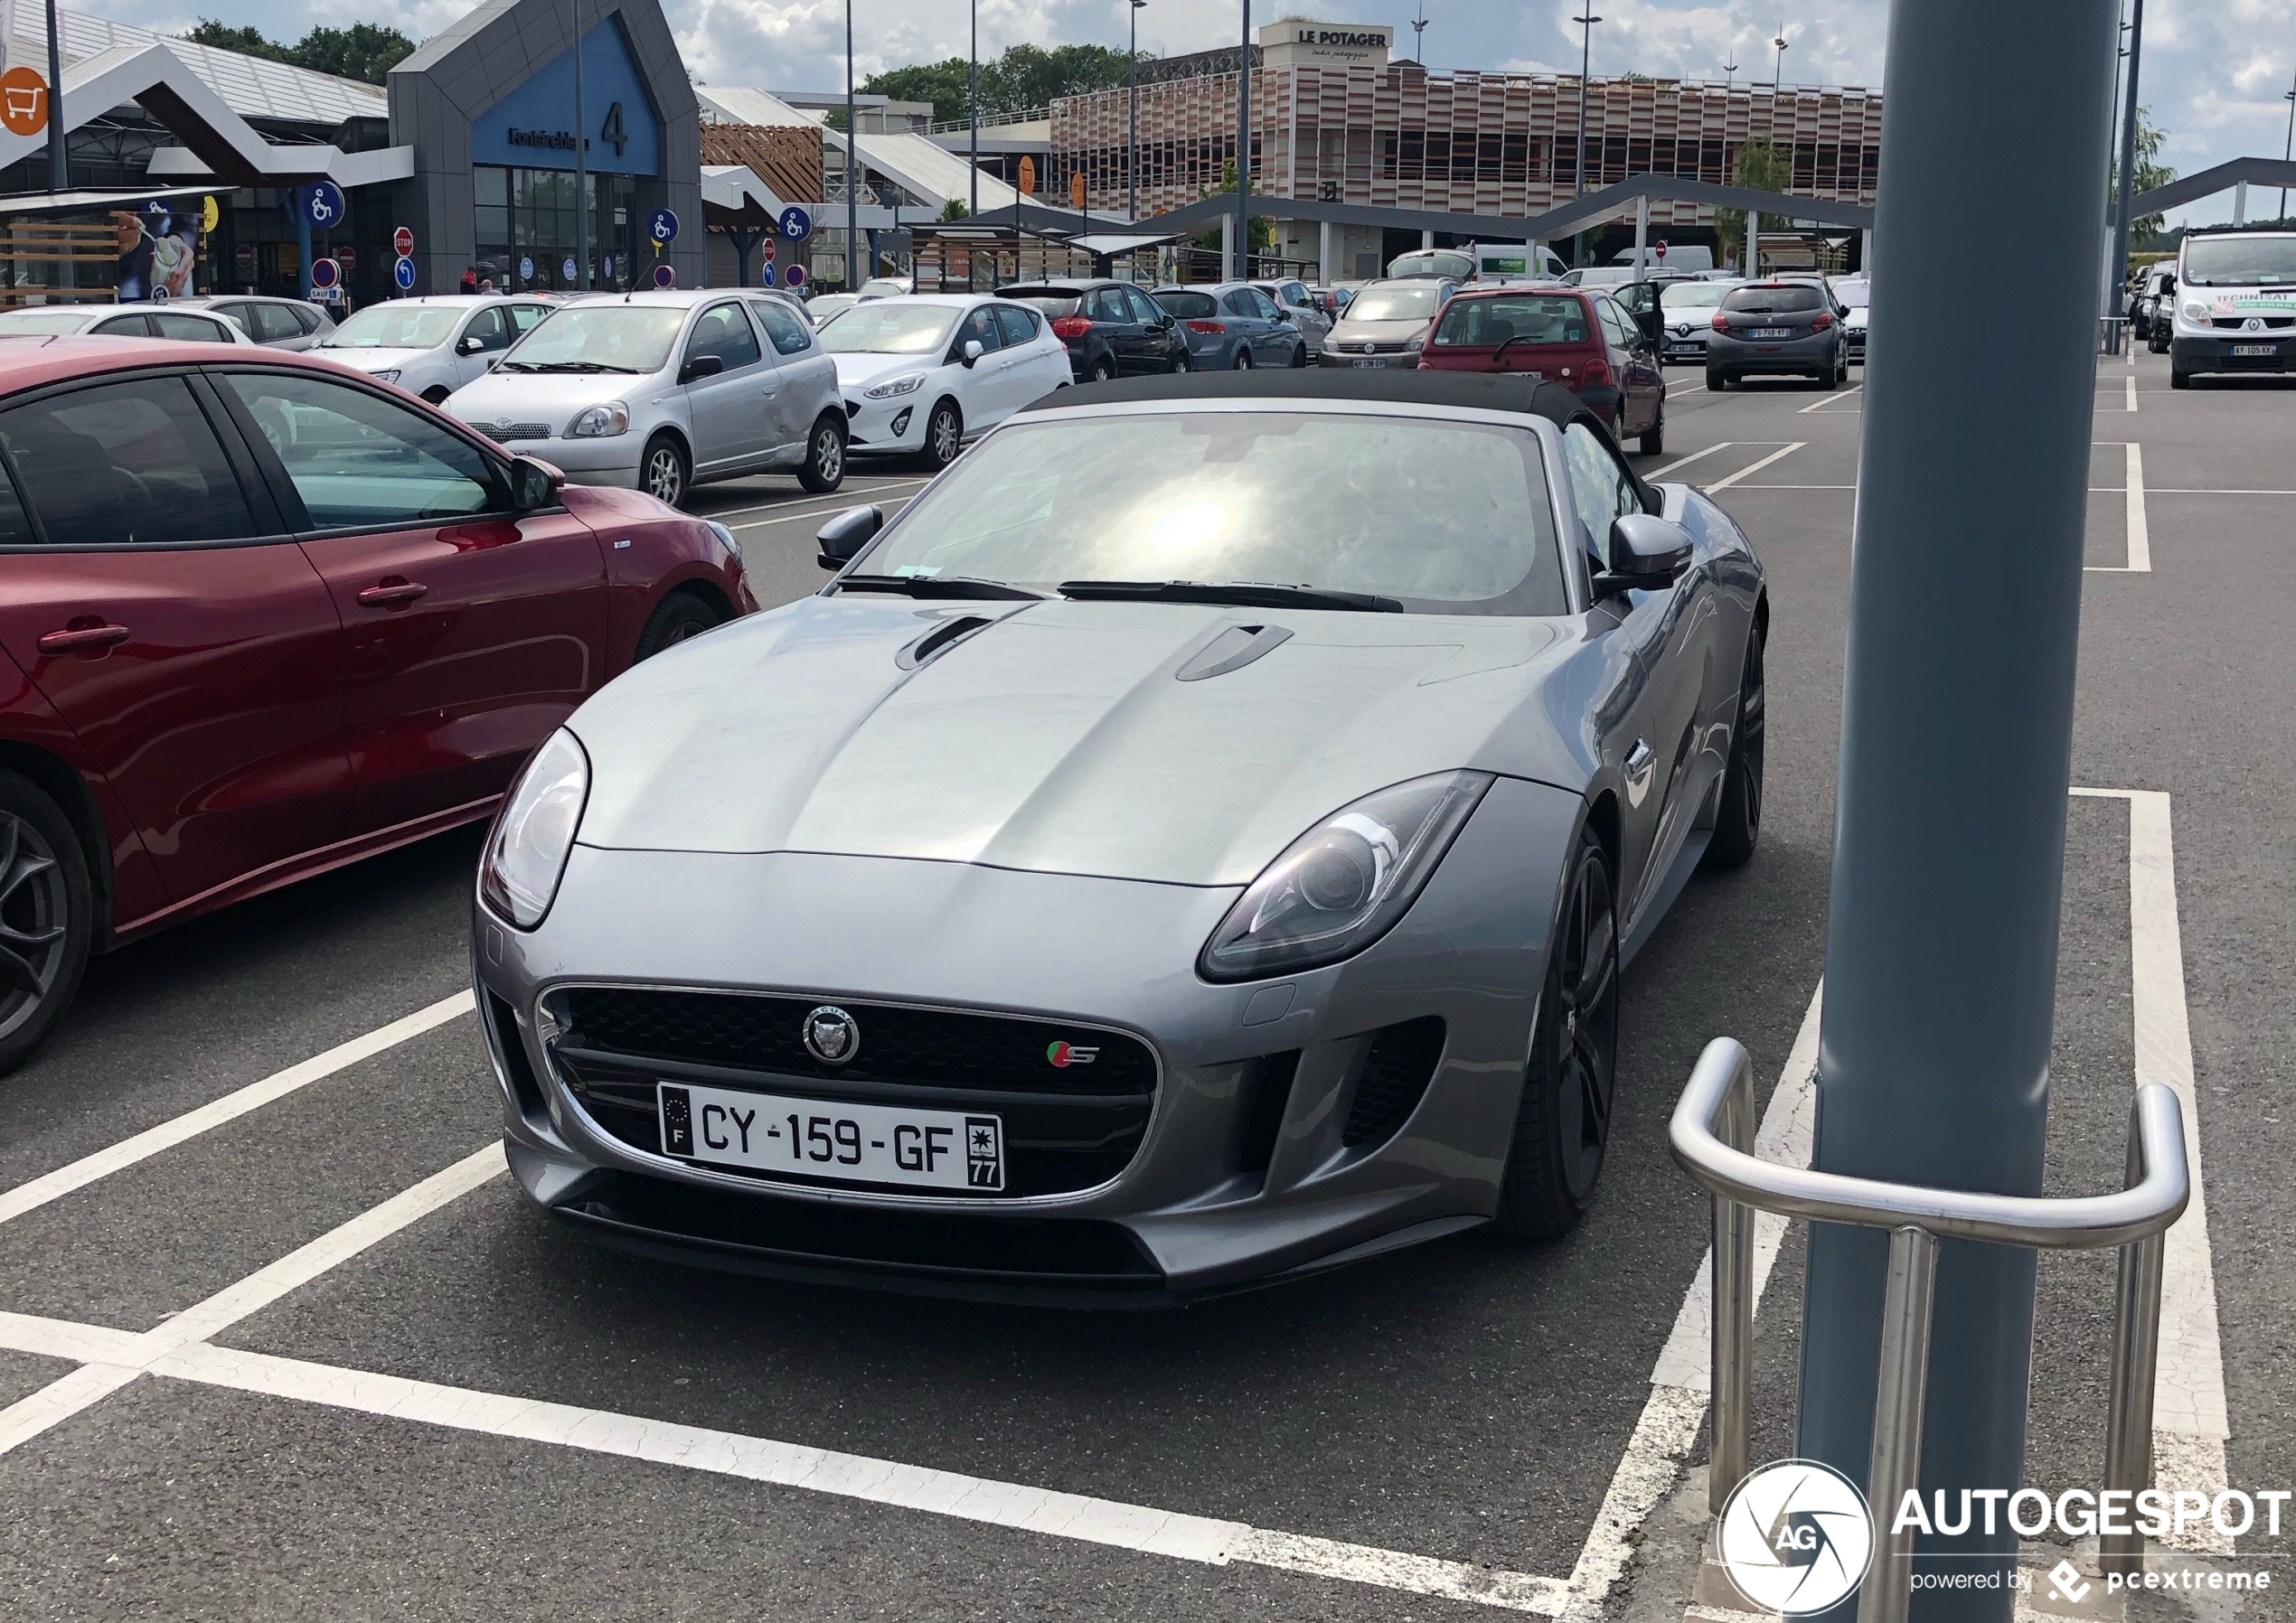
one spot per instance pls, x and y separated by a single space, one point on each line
470 343
1282 313
972 351
534 483
1647 553
843 537
701 366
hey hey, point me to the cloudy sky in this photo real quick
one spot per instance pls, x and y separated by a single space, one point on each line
2215 71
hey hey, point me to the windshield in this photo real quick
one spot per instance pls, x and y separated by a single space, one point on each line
1527 318
1431 264
878 287
882 327
1452 517
43 320
1854 296
2239 261
1396 304
1189 307
397 326
1692 296
1055 302
1772 301
598 338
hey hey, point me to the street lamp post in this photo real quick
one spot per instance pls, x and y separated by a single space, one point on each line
1778 75
852 163
2288 145
581 167
1419 36
2118 272
1729 76
973 107
1132 160
1242 268
1585 55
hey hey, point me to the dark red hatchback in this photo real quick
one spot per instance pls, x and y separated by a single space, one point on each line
261 616
1578 338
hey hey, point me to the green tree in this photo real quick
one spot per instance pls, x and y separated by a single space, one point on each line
1761 167
364 50
247 42
1024 78
2148 173
955 209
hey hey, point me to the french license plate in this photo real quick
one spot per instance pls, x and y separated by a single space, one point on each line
856 1143
1371 361
2255 349
1773 333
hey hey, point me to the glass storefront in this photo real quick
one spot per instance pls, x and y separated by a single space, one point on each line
526 219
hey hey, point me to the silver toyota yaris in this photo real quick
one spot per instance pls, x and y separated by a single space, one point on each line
1194 844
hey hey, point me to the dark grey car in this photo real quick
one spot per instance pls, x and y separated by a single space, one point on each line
1134 928
276 323
1778 329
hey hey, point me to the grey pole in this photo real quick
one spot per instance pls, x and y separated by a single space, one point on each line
1729 77
1586 54
1778 74
1949 842
852 164
1132 162
1244 154
2119 273
58 160
581 167
2288 145
972 107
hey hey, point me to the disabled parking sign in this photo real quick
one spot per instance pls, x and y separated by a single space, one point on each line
796 223
662 226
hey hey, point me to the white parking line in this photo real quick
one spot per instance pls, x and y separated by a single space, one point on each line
1830 400
1755 467
845 494
1684 462
2191 1422
53 1186
124 1360
796 518
1688 386
2132 382
2140 532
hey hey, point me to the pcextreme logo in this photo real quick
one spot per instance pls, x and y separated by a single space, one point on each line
1796 1537
1064 1054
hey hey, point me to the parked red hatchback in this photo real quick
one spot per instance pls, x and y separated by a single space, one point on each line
262 616
1579 338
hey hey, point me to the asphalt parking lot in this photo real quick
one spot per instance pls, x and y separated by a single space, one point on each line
277 1337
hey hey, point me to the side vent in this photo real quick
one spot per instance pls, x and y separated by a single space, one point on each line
517 1070
1232 649
1397 1069
1267 1095
942 637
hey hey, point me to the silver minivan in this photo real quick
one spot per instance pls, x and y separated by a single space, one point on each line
662 391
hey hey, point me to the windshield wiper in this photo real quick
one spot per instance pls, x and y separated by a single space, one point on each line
572 366
934 585
1243 593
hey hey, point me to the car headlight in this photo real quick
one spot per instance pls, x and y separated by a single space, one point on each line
1418 343
894 386
387 375
2196 311
1338 887
601 421
526 854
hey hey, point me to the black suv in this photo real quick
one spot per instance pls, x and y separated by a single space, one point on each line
1112 329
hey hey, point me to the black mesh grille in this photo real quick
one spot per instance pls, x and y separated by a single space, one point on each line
1395 1073
926 1046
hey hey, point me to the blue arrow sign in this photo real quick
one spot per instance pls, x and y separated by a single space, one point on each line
768 276
324 204
661 226
796 223
403 273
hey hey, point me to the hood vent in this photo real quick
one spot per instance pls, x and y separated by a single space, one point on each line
942 637
1232 649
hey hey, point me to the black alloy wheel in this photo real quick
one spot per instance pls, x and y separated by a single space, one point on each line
825 468
663 472
944 434
1563 1123
1737 815
677 618
1653 440
46 916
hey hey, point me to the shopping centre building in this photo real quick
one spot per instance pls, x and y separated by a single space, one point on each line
1335 118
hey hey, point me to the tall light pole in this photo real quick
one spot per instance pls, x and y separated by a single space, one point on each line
853 164
581 167
1729 76
1779 73
2119 271
1585 55
973 107
2288 145
1131 162
58 164
1243 266
1419 36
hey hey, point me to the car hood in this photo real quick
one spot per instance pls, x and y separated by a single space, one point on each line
1057 740
858 371
373 361
539 396
1383 331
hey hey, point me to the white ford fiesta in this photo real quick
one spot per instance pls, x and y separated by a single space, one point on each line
922 374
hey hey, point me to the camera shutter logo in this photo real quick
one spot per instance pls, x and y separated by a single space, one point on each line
1796 1538
831 1034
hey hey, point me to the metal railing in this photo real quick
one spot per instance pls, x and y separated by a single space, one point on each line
1712 1137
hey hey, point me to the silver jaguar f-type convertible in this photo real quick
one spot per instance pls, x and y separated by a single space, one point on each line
1194 844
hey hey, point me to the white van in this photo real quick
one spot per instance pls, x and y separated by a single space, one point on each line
2235 304
1515 262
1691 256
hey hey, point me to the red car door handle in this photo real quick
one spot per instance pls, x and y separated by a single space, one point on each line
392 593
82 638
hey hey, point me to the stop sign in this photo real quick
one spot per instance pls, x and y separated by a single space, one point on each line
403 240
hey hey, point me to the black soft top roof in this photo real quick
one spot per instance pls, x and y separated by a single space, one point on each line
1479 391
